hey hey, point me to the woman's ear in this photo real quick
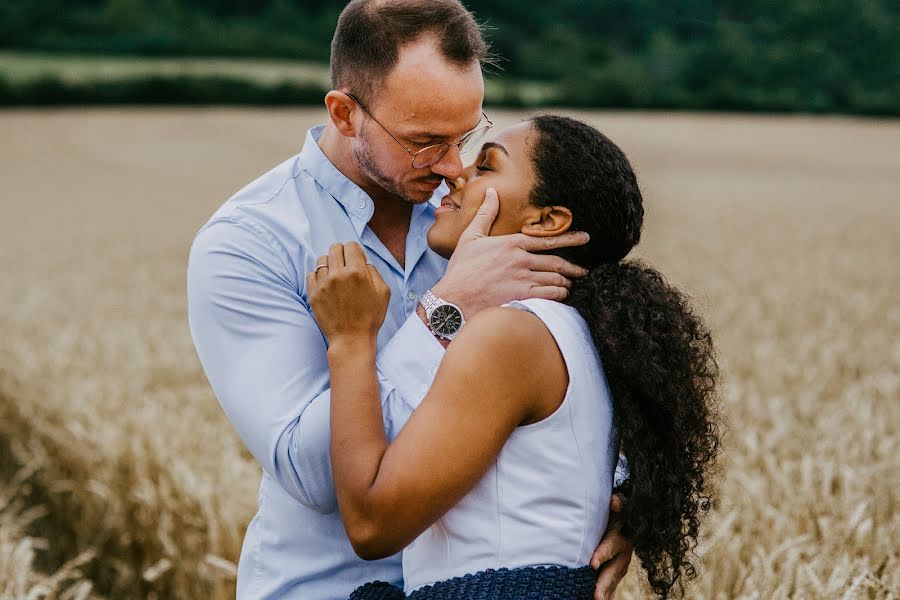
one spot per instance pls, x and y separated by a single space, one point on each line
340 110
548 221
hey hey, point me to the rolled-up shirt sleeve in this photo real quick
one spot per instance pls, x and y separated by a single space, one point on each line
409 361
621 475
266 360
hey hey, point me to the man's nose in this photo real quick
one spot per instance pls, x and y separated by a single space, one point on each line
450 166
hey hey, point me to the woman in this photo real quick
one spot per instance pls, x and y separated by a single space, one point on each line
498 486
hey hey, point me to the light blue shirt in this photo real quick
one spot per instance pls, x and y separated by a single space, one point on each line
265 358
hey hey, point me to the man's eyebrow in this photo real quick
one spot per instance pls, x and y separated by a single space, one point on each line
489 145
429 135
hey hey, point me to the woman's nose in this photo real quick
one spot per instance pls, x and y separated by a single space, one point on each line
455 184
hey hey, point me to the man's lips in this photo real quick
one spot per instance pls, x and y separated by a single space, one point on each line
432 182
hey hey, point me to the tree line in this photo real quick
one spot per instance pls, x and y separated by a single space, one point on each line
765 55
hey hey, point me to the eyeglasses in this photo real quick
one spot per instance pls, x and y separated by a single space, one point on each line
429 155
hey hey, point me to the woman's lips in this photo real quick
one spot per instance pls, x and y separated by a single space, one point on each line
447 205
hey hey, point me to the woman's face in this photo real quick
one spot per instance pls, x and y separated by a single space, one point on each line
504 164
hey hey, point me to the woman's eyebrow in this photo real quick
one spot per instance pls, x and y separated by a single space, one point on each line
488 145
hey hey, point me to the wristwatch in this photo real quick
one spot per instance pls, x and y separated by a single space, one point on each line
444 318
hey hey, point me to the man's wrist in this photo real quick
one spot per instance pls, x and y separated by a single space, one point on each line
420 311
448 295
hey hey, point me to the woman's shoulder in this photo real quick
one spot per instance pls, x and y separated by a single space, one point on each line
510 340
522 354
544 309
505 327
522 325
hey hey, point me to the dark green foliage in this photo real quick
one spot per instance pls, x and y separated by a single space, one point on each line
795 55
181 89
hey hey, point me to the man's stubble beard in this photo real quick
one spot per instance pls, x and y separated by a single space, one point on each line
362 154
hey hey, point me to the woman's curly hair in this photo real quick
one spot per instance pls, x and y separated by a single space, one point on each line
656 351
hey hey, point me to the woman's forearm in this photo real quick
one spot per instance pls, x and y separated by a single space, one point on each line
390 493
358 440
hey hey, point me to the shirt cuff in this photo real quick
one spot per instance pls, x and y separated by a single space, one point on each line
622 474
410 360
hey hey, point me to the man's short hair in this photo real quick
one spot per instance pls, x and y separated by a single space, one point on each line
370 33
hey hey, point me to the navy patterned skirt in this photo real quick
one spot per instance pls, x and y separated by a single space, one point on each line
531 583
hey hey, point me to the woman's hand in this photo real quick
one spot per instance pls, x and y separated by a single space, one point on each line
349 298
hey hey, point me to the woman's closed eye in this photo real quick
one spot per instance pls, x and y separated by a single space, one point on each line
490 158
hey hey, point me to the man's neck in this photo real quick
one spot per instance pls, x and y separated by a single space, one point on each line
391 216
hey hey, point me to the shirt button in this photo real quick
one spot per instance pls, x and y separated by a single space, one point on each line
423 388
434 370
362 203
411 295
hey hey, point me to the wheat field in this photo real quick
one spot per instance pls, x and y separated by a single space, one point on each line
121 478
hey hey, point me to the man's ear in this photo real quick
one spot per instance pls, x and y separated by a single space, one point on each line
548 221
341 110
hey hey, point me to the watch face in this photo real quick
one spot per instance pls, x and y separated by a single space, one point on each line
446 319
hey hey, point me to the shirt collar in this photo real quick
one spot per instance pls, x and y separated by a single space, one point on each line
353 198
349 195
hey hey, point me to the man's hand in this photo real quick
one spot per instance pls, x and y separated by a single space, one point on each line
613 555
491 271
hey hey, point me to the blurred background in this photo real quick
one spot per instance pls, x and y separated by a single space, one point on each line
796 56
767 145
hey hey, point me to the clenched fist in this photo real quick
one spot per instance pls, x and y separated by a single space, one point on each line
349 298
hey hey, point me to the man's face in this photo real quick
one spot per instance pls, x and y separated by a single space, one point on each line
424 100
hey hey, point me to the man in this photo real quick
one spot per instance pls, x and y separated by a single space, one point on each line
407 100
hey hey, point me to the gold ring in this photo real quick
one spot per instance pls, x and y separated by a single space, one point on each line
320 267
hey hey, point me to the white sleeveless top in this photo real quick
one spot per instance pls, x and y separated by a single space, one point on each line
545 500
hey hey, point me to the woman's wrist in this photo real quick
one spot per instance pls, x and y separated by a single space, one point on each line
352 345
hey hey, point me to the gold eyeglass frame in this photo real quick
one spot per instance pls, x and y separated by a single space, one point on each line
479 130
